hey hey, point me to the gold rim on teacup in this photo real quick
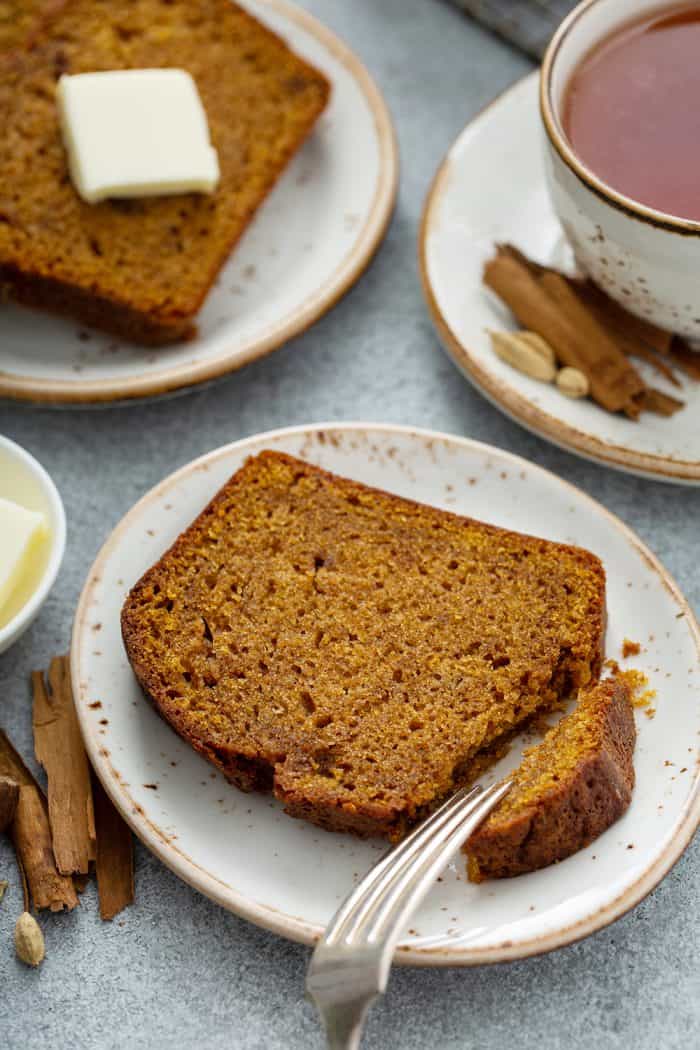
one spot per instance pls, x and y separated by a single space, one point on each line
560 142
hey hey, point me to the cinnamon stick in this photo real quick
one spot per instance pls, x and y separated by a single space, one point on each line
608 370
653 400
59 748
31 835
613 317
645 354
545 304
627 338
9 796
620 321
32 839
115 856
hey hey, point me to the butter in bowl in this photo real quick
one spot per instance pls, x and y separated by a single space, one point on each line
32 539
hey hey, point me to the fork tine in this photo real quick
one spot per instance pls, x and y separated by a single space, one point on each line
337 928
347 972
414 880
430 843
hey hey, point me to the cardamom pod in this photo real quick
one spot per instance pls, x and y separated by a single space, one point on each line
572 382
29 940
526 351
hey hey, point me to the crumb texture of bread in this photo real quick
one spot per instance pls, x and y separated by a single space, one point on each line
568 790
354 651
17 19
141 268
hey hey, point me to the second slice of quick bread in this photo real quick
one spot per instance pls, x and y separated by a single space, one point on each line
141 268
351 650
567 790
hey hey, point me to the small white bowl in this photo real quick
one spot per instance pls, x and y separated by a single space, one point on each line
645 259
46 498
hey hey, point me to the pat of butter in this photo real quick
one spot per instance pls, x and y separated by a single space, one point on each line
136 133
21 533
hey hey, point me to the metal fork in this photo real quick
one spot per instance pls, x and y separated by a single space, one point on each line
351 962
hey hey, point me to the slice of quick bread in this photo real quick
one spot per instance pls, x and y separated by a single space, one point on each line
354 651
141 268
567 791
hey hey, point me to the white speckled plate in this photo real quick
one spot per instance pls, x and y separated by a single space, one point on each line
310 241
242 851
491 187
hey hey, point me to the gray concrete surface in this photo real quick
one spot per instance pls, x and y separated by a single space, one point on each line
177 971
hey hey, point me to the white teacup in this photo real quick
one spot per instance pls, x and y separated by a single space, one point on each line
648 261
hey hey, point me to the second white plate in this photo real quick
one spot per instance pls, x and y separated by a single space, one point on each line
242 851
307 245
490 188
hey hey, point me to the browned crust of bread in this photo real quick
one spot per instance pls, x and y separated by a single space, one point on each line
40 292
278 768
144 308
585 804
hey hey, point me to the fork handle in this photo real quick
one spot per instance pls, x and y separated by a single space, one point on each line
344 1023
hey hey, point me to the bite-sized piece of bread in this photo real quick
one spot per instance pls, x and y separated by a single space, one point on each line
351 650
142 268
568 790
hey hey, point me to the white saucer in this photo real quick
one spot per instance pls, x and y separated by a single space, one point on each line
489 188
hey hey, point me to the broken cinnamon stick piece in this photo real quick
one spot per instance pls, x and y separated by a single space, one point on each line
684 358
31 836
645 354
9 796
627 340
653 400
59 748
622 321
32 839
115 855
